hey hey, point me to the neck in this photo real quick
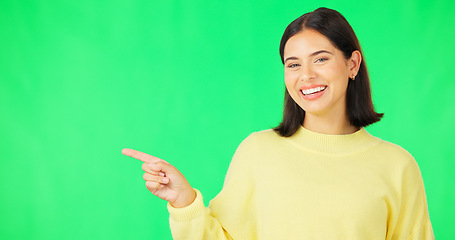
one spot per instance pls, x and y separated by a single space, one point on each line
328 125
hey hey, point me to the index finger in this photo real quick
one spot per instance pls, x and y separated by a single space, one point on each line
140 155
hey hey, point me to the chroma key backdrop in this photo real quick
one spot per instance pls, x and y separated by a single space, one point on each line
187 81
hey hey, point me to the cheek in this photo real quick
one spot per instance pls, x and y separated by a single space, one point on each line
290 83
337 77
342 72
289 79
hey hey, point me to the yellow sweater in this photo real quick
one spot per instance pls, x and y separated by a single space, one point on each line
312 186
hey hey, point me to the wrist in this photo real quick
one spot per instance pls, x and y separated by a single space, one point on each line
186 200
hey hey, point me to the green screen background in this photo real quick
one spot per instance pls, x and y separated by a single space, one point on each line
187 81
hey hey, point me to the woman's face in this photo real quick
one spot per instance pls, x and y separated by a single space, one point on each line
316 74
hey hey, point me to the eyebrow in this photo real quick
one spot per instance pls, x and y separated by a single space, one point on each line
311 55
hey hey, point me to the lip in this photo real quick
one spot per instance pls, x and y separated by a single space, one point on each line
315 95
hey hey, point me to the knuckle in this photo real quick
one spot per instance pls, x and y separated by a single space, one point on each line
152 185
162 164
144 167
147 176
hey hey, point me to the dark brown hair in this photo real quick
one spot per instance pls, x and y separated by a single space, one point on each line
359 105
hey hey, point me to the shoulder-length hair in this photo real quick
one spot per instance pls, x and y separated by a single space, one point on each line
359 105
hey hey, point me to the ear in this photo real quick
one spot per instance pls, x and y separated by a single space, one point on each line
354 63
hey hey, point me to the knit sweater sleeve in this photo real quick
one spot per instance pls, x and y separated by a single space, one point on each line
413 221
195 221
223 218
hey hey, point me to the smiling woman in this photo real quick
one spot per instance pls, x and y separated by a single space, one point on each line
317 80
331 45
319 174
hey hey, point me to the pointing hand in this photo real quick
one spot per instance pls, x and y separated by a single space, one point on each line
164 180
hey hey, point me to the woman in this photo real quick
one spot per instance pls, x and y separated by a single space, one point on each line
319 174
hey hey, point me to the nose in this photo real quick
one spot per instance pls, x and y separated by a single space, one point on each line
307 72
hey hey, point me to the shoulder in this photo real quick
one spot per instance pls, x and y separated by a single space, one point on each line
395 153
394 149
264 135
261 138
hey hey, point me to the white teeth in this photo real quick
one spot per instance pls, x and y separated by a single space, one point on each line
313 90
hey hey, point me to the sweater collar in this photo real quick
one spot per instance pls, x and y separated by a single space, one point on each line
333 143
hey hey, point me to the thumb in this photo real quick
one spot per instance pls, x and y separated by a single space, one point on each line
161 166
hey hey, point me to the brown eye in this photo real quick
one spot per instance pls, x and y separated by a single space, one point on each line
293 65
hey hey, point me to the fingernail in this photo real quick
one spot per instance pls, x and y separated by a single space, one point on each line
152 165
165 180
161 174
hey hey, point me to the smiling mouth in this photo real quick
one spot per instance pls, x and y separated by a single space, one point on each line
311 91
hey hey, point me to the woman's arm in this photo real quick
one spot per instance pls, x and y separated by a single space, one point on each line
413 221
230 215
189 218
